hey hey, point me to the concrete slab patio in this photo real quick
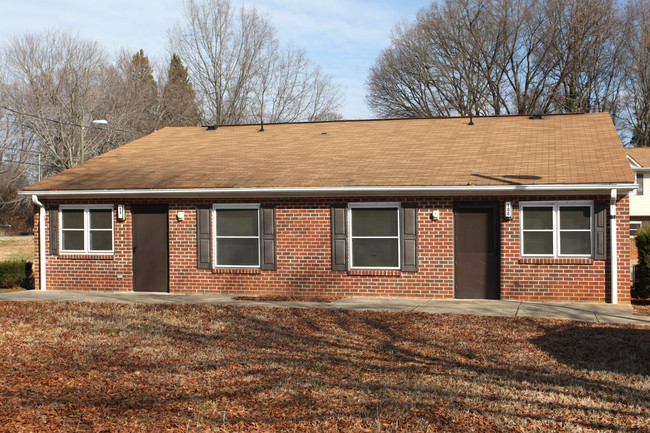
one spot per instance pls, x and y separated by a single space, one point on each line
603 313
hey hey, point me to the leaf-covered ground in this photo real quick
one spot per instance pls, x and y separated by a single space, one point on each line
109 367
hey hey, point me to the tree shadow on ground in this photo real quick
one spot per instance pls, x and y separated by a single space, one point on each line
617 350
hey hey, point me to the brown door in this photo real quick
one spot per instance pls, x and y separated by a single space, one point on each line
476 250
150 249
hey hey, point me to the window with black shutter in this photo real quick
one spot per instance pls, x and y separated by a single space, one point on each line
375 236
244 236
558 229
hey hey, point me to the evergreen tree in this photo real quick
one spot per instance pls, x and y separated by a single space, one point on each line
142 93
179 106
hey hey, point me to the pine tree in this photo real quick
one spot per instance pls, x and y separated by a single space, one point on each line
142 93
179 106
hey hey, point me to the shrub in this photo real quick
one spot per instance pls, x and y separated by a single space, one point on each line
643 245
13 273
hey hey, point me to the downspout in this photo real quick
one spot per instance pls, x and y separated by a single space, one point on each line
41 242
612 230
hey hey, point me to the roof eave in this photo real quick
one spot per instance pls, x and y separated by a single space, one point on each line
591 188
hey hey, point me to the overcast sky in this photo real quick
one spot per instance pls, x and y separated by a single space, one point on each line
343 36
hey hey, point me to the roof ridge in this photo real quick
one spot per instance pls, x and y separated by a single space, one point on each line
390 119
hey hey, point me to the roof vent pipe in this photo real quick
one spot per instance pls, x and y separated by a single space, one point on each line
471 122
261 126
536 117
212 127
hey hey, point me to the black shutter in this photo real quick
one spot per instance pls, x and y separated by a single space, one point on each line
339 238
409 237
54 230
600 231
639 180
268 241
203 237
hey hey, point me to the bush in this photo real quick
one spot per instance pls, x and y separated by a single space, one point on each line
643 245
14 273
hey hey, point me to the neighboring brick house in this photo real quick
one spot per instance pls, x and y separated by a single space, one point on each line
507 207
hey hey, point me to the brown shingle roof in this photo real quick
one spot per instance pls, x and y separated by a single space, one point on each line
640 155
567 149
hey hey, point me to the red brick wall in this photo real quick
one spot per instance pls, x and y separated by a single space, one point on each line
304 252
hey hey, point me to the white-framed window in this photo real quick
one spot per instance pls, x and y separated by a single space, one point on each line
374 235
86 229
557 229
634 227
236 231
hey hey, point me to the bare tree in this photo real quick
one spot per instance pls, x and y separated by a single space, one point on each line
19 162
637 86
588 52
54 82
241 73
502 57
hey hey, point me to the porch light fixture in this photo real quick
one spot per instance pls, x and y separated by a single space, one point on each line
180 216
435 215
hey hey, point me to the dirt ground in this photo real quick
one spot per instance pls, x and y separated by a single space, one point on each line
17 248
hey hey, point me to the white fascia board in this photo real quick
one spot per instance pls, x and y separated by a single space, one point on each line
593 188
633 162
640 169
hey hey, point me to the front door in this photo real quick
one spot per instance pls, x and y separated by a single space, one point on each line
476 250
150 249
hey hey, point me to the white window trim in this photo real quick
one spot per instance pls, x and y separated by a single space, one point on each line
86 228
215 208
370 205
640 223
556 205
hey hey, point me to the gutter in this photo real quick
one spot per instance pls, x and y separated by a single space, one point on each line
592 188
41 243
612 229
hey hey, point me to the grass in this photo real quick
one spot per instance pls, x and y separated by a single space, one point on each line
111 367
15 248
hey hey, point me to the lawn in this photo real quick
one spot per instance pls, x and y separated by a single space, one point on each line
110 367
17 248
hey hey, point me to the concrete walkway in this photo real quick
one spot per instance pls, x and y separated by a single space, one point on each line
604 313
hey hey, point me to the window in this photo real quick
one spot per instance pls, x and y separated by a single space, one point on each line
237 239
87 229
557 229
639 181
634 227
374 236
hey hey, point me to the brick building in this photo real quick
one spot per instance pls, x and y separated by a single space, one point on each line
528 208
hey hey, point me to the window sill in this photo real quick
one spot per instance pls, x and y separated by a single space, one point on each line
556 260
236 271
376 272
64 256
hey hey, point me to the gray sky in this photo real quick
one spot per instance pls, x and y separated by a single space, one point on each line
343 36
